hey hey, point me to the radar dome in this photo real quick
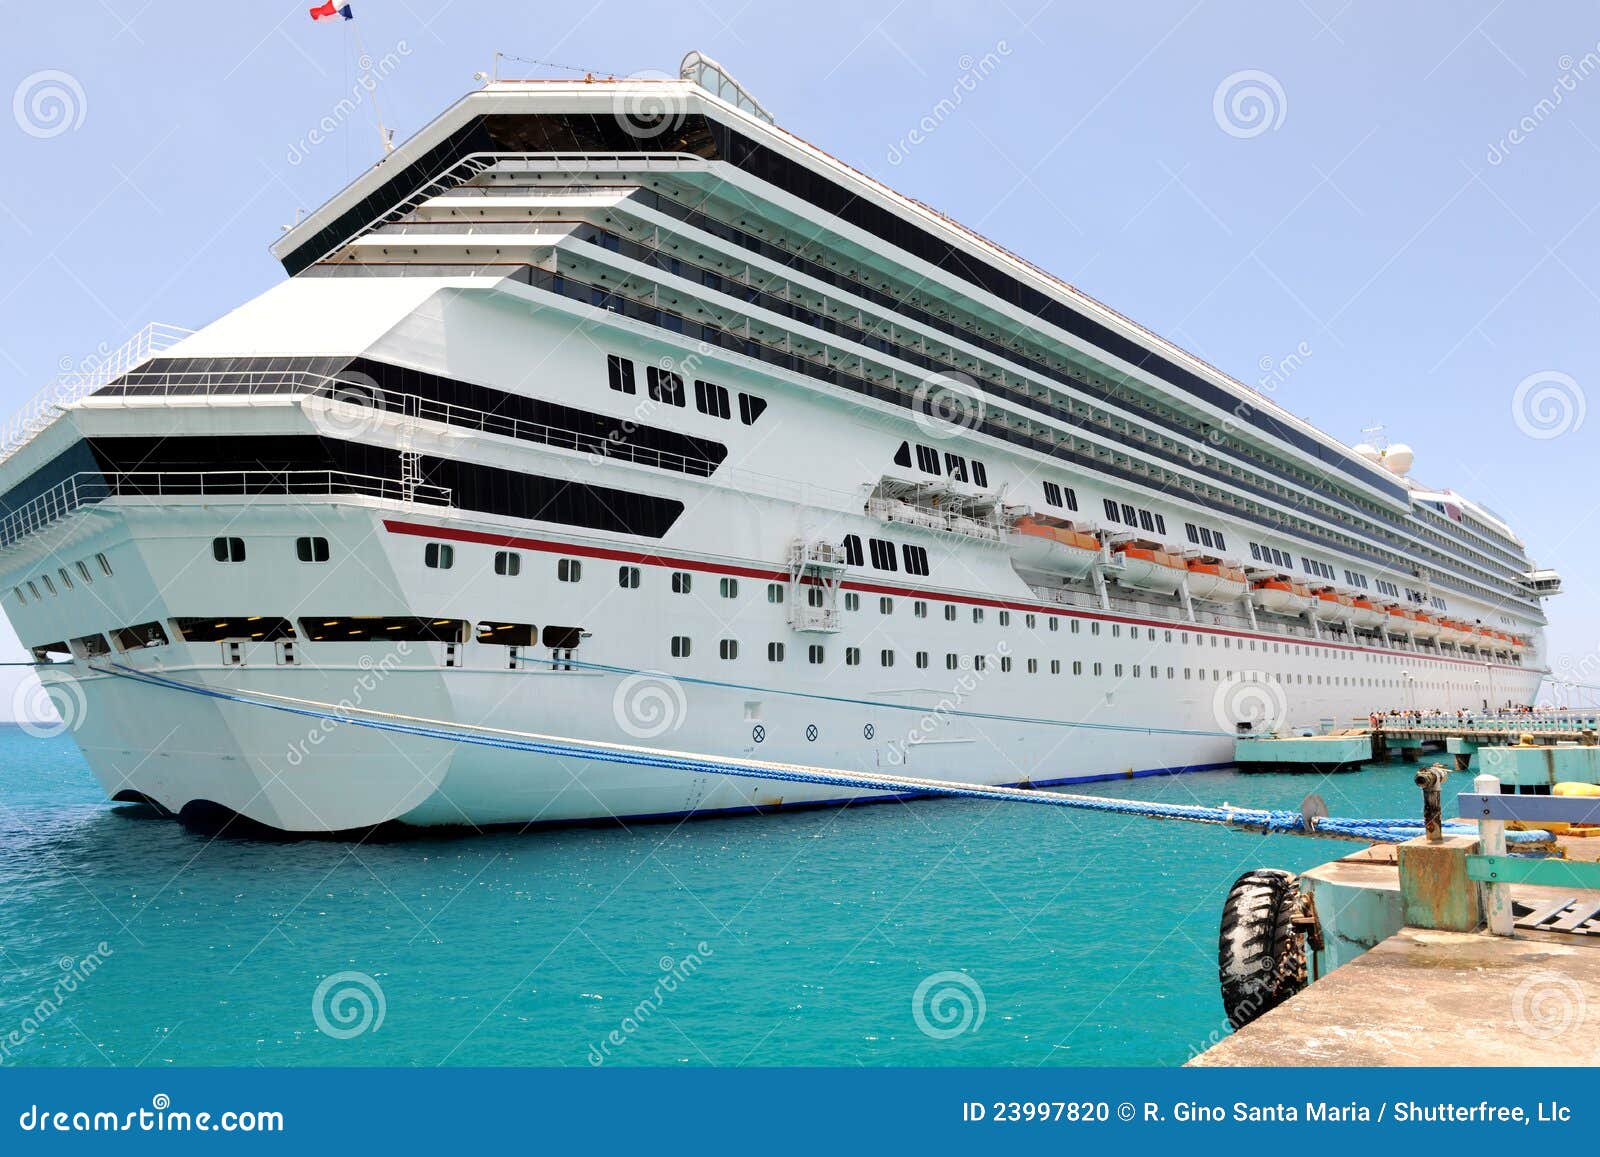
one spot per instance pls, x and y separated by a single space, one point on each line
1368 451
1399 459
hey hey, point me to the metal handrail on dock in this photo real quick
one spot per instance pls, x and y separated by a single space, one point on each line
1492 867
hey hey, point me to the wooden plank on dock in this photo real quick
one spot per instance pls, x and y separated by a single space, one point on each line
1581 913
1538 916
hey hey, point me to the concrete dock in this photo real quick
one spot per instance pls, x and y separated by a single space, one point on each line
1436 998
1442 950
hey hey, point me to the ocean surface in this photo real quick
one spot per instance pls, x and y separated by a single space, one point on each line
930 933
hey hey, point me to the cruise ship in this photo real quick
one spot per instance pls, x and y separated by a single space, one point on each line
609 410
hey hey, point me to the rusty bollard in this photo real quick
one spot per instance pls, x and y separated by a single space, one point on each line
1430 780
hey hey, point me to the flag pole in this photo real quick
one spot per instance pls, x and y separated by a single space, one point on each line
383 133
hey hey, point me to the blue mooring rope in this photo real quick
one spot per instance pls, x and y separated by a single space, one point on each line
1268 821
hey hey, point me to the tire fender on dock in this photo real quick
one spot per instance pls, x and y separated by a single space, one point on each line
1261 958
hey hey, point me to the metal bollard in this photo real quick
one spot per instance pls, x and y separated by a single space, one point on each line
1430 780
1492 842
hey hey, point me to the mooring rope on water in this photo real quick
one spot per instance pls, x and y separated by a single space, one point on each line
1266 821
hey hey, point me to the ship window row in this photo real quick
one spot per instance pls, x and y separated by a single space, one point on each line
1062 496
1204 536
666 387
315 628
650 313
1385 587
1297 478
1356 579
1278 558
1056 312
953 466
884 557
816 654
1301 480
85 574
1137 517
1320 569
509 563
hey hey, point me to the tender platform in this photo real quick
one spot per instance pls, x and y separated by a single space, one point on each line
1320 754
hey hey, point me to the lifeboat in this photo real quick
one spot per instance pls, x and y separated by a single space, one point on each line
1281 596
1332 607
1454 631
1365 613
1216 582
1148 568
1399 619
1424 625
1038 545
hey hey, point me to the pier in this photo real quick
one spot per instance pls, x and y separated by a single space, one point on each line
1445 950
1495 742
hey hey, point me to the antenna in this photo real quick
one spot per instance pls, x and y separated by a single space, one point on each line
385 135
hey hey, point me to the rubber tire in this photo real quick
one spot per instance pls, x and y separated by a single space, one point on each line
1260 957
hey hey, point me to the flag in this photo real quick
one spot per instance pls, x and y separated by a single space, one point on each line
329 11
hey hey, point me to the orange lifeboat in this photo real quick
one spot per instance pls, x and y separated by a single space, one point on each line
1148 567
1216 582
1424 625
1282 596
1332 607
1454 631
1365 613
1053 549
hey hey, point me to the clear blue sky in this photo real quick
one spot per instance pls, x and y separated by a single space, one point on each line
1368 221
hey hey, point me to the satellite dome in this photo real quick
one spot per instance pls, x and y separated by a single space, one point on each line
1368 451
1399 459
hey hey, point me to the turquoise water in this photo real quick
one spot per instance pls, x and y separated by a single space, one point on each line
788 940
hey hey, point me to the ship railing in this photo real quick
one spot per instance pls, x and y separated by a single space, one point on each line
91 488
89 375
455 178
358 403
894 510
361 404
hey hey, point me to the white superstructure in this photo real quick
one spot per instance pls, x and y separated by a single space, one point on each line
611 410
